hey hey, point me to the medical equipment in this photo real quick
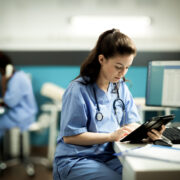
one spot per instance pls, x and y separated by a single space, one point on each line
118 101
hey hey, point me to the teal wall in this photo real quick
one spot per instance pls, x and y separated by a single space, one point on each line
137 80
62 75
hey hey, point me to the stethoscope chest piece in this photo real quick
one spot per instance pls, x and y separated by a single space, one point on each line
99 116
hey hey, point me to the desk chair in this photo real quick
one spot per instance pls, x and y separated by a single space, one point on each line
48 119
23 144
55 93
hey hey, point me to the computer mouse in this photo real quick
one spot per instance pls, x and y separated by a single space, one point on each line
162 142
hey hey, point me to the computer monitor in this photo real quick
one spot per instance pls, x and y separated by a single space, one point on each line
163 84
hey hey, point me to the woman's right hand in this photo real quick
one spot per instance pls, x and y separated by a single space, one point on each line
120 133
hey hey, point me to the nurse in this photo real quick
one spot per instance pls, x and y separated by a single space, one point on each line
97 110
17 97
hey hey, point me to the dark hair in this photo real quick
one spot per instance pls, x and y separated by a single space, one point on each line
110 43
4 60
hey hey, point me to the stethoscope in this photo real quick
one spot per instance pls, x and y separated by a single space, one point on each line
99 116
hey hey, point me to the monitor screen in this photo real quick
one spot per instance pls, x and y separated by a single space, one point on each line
163 84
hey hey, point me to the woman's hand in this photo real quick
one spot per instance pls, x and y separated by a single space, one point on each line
154 134
132 126
120 133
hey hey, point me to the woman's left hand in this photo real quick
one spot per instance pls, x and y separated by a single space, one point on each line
154 134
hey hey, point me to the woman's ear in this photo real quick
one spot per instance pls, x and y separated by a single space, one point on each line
101 59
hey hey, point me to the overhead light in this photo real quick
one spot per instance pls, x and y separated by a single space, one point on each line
93 25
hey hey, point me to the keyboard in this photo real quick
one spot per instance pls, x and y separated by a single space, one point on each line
173 134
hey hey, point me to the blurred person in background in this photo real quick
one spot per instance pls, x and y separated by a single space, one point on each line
16 97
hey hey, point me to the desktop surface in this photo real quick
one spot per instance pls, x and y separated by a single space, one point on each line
135 168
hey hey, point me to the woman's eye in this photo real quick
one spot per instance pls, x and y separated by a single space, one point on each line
120 68
117 67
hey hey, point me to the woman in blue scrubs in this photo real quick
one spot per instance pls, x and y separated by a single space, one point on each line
97 110
17 97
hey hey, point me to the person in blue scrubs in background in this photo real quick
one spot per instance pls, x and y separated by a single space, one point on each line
97 110
17 97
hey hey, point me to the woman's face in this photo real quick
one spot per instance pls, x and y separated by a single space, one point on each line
114 68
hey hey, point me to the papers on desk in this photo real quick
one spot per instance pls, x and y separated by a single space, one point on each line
155 152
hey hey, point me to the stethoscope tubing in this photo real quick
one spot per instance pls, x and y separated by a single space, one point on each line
99 115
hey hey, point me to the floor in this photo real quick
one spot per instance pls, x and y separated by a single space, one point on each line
18 172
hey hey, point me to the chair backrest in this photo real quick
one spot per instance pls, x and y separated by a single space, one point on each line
53 92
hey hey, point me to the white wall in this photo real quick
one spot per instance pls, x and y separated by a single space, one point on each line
44 24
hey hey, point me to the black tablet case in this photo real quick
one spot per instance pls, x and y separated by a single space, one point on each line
141 132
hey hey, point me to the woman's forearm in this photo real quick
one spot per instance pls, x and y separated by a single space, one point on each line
88 138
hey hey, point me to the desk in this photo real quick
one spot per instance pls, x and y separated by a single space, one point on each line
145 169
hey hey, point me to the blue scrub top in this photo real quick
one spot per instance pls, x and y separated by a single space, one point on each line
19 98
78 116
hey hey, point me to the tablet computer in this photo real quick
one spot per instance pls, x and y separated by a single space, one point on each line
140 133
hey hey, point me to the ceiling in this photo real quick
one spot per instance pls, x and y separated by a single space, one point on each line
45 24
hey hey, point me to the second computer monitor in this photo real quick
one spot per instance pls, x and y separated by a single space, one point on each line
163 84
